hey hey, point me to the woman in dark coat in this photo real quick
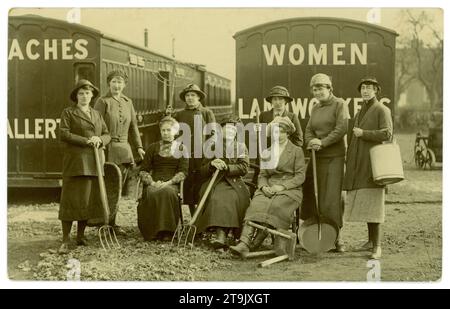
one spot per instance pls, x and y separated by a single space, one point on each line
165 165
279 191
81 129
365 198
325 133
229 197
120 117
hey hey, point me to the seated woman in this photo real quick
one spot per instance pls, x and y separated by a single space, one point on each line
279 191
162 169
229 197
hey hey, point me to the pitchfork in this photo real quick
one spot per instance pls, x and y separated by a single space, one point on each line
185 232
106 232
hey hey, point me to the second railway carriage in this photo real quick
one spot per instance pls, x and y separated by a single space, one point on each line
46 57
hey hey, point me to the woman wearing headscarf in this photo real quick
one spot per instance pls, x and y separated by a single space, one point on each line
81 129
164 166
365 198
279 191
120 117
325 133
229 197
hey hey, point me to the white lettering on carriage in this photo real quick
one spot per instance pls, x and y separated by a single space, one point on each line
275 55
300 106
53 49
40 128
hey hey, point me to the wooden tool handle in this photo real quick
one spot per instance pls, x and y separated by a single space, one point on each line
273 260
274 232
316 194
101 183
204 197
259 253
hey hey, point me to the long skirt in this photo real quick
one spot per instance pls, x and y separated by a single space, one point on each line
158 211
276 211
223 208
80 199
365 205
330 173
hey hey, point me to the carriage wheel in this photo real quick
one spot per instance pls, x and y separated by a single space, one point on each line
429 160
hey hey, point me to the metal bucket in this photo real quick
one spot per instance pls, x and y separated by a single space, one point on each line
386 160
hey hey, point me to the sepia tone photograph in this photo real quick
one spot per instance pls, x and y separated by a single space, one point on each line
179 144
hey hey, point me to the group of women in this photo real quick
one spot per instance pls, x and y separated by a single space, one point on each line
111 124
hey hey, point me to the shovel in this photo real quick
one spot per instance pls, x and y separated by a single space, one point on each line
106 232
317 234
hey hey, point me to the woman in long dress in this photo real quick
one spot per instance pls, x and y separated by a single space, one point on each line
164 166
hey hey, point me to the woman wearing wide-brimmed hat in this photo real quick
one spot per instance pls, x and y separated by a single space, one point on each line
229 197
81 129
120 117
325 133
365 198
279 191
279 96
193 96
161 172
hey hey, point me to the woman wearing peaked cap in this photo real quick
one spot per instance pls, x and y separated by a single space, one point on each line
81 128
120 117
279 191
365 198
279 97
325 133
192 95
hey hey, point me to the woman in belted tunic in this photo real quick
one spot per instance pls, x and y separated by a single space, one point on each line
365 198
325 133
161 171
120 117
81 129
279 191
229 197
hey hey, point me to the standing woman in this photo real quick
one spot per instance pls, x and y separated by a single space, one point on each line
120 117
365 198
81 129
325 133
161 172
229 197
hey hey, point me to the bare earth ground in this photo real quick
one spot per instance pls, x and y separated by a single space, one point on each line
412 244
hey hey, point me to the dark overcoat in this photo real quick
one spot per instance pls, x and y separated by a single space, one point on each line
376 124
75 129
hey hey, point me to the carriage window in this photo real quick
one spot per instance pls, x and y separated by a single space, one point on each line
84 71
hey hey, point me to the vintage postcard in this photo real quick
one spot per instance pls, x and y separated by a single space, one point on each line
225 144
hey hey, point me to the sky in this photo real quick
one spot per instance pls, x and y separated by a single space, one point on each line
205 36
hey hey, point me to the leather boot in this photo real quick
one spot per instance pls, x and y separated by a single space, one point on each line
243 247
258 240
221 238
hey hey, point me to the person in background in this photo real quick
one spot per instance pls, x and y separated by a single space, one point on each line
365 198
161 172
325 133
120 117
81 128
192 95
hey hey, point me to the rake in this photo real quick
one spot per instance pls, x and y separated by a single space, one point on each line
106 232
186 231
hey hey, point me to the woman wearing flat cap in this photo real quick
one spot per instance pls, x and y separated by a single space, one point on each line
229 197
192 95
365 198
279 191
120 117
325 133
81 129
279 97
